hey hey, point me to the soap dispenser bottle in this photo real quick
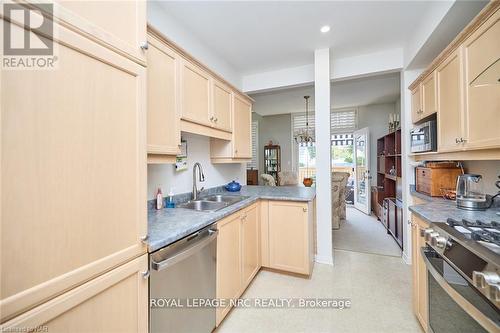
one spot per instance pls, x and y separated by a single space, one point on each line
159 199
170 199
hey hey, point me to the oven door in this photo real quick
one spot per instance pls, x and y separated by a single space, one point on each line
455 305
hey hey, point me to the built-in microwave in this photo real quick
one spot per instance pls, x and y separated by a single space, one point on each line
423 138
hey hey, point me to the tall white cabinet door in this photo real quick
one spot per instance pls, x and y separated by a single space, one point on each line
73 171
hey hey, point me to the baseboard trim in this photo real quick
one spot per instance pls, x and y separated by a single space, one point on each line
321 259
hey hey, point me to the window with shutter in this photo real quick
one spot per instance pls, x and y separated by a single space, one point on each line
254 164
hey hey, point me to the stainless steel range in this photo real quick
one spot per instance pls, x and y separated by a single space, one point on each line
463 263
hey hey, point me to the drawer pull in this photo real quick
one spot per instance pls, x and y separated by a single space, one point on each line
145 274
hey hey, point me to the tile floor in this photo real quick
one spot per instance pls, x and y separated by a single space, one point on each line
379 288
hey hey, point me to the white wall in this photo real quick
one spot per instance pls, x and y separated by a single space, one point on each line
198 148
376 117
172 28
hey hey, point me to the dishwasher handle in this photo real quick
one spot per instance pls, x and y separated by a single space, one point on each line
175 258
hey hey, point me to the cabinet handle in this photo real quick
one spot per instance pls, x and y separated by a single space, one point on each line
216 119
145 274
462 140
212 118
144 239
304 209
144 45
457 140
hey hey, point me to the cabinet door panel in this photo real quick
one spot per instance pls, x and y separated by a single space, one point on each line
124 30
163 117
250 245
242 134
429 105
416 107
228 262
114 302
422 305
482 106
288 236
195 94
450 103
223 105
76 135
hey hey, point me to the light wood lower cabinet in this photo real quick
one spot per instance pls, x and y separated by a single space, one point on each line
238 255
250 245
290 236
228 262
116 301
163 127
420 293
73 171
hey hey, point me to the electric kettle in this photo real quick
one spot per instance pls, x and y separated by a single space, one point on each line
470 192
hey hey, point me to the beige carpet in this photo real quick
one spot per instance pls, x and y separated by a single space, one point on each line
363 233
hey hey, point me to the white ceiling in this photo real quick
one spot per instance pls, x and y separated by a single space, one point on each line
358 92
262 35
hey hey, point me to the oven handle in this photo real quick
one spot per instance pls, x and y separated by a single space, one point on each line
199 244
484 321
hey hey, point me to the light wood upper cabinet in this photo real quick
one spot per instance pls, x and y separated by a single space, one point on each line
117 301
163 131
242 132
423 99
481 50
73 171
290 239
428 91
416 104
250 245
228 262
120 24
420 298
222 106
450 102
195 94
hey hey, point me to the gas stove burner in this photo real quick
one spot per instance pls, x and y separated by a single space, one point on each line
481 231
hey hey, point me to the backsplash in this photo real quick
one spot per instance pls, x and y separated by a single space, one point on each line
198 150
490 170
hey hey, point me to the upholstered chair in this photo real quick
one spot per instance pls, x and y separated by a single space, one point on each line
268 180
288 178
339 183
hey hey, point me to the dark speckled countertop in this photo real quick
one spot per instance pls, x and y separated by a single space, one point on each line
168 225
439 210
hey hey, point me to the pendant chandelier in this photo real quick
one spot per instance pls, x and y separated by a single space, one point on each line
305 136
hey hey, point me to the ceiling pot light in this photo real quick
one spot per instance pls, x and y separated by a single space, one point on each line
325 29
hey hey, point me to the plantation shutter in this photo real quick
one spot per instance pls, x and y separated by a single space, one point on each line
254 164
343 121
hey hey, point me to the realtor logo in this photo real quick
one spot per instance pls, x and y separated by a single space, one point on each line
28 37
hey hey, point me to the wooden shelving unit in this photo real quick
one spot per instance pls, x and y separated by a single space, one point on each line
388 166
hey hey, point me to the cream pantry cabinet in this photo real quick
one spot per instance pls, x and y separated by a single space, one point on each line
237 255
163 123
73 140
116 301
420 298
287 236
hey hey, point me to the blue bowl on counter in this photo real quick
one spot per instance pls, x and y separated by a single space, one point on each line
233 186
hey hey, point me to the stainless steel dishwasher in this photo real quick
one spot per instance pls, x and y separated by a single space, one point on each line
182 271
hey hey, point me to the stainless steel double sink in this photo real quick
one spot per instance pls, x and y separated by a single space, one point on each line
212 203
